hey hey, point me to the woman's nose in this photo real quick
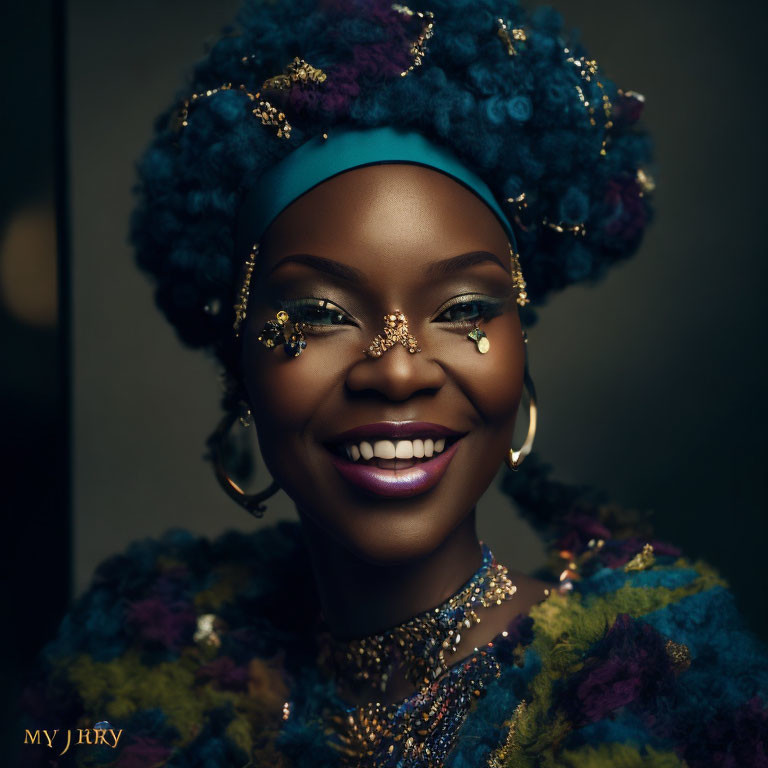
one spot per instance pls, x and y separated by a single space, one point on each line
397 375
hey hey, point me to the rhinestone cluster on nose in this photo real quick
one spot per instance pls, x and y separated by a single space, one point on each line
395 332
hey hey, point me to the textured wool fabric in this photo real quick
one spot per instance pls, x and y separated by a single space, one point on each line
599 685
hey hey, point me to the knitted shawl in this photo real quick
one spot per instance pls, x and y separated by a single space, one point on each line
191 647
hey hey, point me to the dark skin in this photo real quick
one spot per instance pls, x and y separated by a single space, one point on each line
372 240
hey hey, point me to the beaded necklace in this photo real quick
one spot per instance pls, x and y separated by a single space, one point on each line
419 731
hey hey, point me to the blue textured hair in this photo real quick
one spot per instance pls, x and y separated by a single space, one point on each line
540 122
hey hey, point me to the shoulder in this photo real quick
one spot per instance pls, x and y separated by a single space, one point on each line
177 634
649 652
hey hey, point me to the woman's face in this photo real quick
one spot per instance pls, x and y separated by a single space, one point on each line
359 246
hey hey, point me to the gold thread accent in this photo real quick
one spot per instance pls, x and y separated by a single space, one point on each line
180 118
588 70
395 332
271 115
499 757
518 35
642 560
298 71
574 229
517 277
242 304
418 48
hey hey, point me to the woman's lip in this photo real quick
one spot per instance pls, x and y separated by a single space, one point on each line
396 483
389 430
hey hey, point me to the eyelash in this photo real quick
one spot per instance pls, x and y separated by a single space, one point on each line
484 309
310 310
302 310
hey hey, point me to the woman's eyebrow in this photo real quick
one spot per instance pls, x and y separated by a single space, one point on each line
321 264
351 274
462 261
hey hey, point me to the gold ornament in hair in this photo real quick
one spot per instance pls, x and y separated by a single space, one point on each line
508 36
297 71
242 303
587 71
395 332
517 277
418 48
574 229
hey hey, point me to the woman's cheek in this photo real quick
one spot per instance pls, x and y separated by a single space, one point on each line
492 382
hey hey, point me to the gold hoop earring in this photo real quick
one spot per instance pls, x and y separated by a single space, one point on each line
250 502
515 458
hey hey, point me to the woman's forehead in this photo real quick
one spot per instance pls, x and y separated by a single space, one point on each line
393 206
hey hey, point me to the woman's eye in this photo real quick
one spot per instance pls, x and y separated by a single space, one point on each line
318 313
466 311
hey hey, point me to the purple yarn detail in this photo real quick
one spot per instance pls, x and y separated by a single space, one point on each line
581 528
141 753
628 666
626 214
369 62
156 622
225 673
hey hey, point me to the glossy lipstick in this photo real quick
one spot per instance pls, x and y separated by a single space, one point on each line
396 483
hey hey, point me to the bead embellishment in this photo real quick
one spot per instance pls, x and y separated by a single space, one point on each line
395 332
282 330
423 732
481 340
679 654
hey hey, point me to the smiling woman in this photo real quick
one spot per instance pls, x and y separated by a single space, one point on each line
357 239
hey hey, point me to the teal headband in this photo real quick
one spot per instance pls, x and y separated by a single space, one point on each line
319 159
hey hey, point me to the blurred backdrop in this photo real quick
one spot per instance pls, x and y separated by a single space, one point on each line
651 385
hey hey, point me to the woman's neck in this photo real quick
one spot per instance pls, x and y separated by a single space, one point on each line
360 598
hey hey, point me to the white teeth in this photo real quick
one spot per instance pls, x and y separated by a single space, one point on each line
404 449
384 449
394 449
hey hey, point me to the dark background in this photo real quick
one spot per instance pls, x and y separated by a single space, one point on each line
651 384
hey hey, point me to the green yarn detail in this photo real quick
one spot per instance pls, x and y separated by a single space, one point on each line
615 755
565 626
118 689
